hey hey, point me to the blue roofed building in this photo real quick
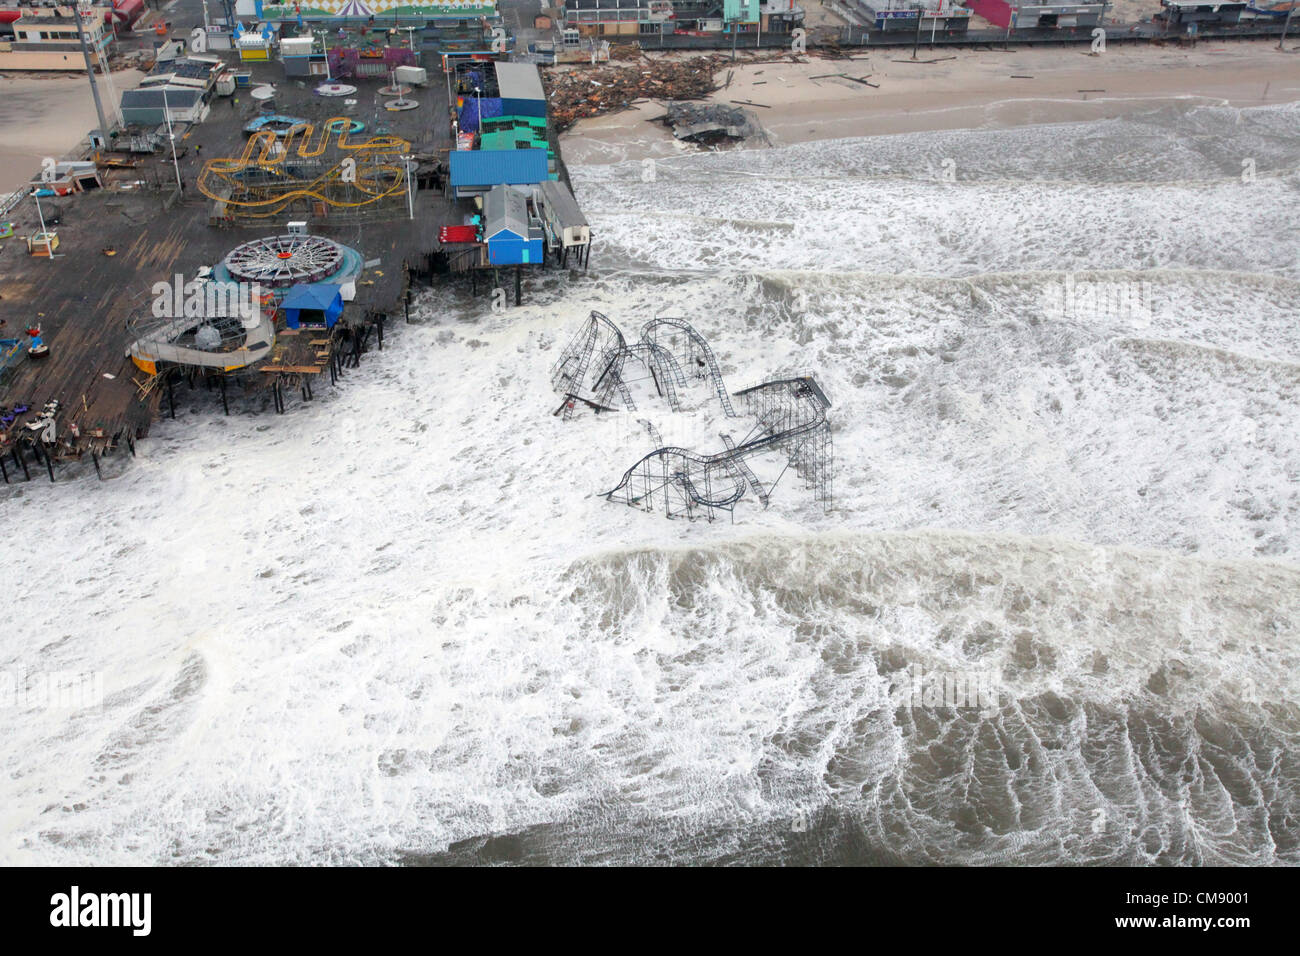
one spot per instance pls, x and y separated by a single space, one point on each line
473 172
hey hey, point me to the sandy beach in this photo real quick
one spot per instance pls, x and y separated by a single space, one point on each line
959 90
48 116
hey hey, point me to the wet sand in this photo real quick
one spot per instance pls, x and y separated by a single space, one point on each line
973 89
48 116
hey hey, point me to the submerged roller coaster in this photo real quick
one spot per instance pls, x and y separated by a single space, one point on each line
789 412
591 369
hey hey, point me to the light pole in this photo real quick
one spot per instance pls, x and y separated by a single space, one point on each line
41 216
1285 23
172 137
411 165
324 46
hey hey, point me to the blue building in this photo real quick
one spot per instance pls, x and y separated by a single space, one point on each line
520 86
512 237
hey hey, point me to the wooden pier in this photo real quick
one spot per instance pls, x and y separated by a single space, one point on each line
117 242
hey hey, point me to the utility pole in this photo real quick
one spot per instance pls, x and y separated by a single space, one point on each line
40 215
411 166
180 187
104 128
1286 23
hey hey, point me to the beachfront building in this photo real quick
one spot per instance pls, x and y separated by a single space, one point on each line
45 38
1184 14
567 231
1058 16
900 16
473 172
177 90
513 235
442 26
617 17
365 10
631 18
303 56
780 16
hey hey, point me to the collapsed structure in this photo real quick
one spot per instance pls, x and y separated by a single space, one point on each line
789 418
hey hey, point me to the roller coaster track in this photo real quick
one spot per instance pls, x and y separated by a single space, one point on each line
375 174
681 463
665 371
612 363
790 415
746 472
648 333
570 370
680 459
570 373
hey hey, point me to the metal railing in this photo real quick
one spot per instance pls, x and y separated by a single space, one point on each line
13 199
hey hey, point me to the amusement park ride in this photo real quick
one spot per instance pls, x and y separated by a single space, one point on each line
224 320
292 165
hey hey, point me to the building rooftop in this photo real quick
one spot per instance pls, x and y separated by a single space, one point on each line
519 81
490 167
505 209
560 201
187 67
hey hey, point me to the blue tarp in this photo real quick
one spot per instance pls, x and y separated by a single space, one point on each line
469 112
312 297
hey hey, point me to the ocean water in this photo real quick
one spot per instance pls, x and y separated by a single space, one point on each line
400 625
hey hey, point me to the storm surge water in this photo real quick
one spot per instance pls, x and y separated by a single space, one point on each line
1052 617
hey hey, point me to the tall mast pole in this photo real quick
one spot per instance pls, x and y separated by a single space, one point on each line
104 128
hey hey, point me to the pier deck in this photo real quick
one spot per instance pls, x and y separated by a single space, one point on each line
115 243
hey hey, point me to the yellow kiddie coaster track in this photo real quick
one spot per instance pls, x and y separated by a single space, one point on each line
260 183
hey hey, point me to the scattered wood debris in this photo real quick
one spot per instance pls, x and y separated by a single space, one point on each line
573 96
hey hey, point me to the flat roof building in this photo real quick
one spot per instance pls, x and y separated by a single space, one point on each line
45 38
475 171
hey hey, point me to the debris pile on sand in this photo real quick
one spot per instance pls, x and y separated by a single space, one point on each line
581 93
